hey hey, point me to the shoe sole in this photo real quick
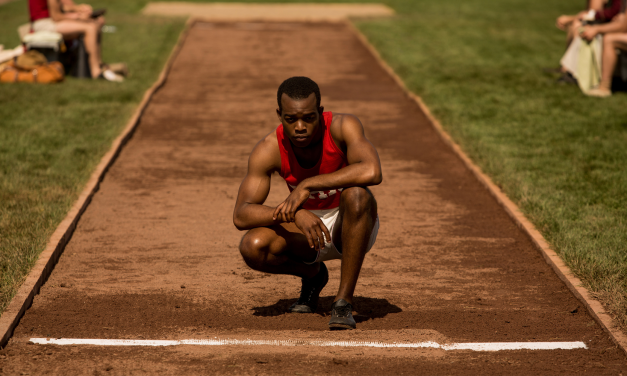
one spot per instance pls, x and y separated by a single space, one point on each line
341 326
301 308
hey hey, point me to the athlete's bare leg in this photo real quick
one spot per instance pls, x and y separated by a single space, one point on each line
610 43
281 249
351 234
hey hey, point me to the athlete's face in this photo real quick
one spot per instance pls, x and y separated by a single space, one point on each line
300 119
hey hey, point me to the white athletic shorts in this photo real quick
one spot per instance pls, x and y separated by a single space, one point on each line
330 252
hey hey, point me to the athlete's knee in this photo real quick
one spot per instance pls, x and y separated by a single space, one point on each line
252 247
358 201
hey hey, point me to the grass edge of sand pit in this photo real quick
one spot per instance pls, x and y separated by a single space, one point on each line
574 284
52 137
47 259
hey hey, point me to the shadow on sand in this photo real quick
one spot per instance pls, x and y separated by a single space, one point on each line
364 308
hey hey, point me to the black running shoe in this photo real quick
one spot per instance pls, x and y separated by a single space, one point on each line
342 315
310 292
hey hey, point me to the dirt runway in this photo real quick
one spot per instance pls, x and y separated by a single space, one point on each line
155 254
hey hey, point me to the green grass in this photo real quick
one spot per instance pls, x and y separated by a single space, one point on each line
53 136
477 64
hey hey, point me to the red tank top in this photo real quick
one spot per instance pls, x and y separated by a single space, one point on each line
38 9
332 159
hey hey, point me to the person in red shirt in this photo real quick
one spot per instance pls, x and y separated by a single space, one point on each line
73 20
600 16
330 213
595 12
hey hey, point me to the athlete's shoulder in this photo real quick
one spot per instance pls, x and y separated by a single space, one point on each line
266 153
341 117
270 140
343 125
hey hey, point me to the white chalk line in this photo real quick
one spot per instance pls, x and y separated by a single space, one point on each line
485 346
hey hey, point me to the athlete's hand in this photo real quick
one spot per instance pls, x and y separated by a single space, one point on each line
313 228
286 211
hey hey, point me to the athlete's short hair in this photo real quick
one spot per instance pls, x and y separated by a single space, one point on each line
298 88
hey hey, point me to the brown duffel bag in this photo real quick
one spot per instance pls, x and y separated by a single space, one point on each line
41 74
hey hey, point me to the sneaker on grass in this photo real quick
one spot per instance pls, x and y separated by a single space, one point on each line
109 75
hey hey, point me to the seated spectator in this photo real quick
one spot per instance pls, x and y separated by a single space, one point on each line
73 20
615 38
595 12
581 63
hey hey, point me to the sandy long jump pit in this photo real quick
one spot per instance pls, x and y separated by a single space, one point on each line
152 280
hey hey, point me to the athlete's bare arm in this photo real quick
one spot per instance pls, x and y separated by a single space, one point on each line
249 209
364 167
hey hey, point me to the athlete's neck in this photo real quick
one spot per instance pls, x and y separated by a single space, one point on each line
309 155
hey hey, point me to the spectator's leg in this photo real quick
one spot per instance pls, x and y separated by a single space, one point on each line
610 43
100 21
90 31
92 44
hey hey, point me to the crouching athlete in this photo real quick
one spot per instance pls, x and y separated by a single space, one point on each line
327 163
